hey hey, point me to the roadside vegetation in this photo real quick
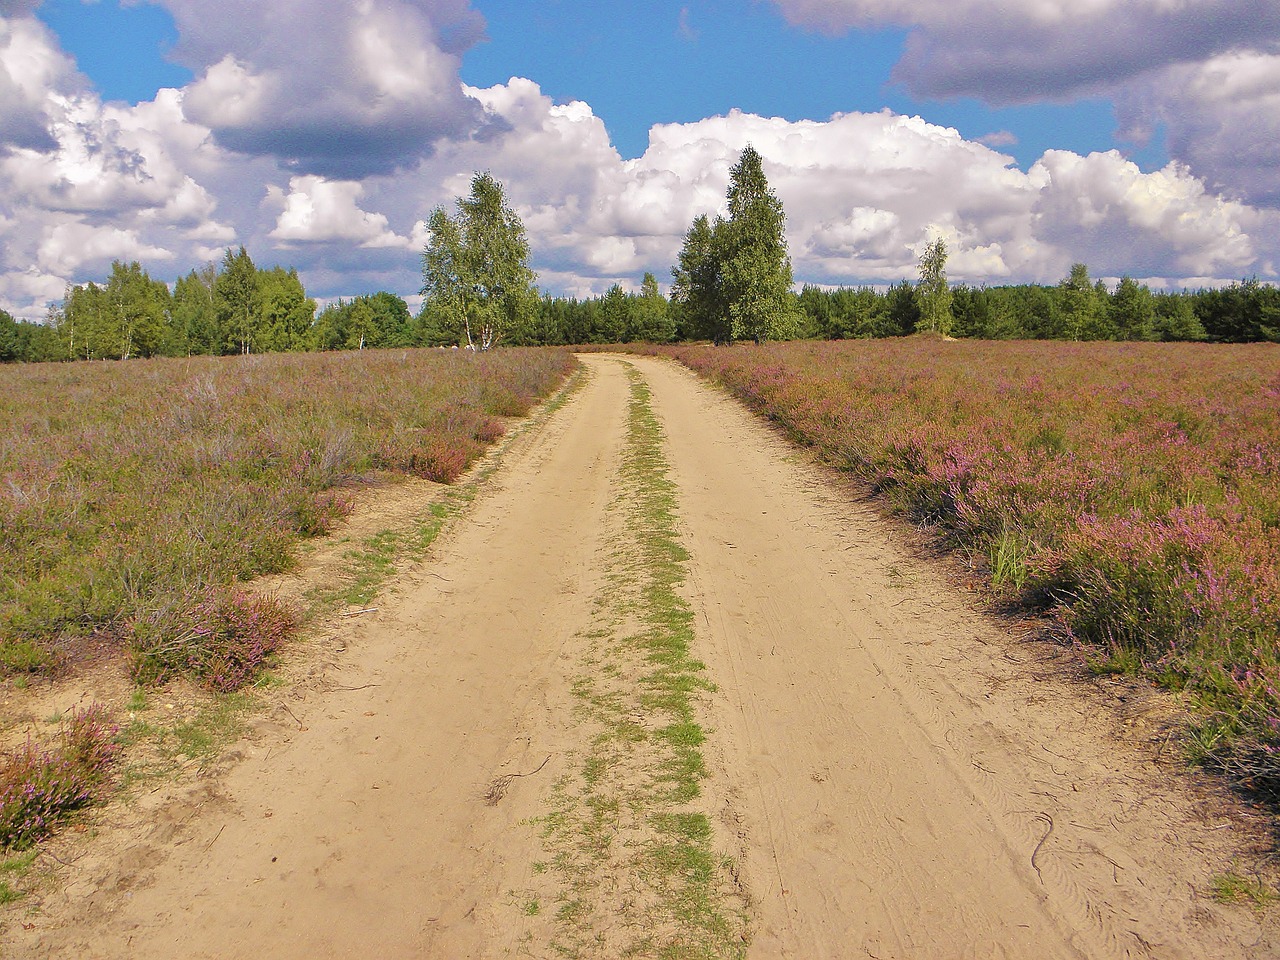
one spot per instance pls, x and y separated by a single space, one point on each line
1133 491
135 501
40 787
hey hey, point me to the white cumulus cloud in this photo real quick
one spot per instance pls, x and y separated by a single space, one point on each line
1205 69
332 162
340 88
863 193
66 245
319 210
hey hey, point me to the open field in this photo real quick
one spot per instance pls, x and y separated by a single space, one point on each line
1132 490
133 497
660 689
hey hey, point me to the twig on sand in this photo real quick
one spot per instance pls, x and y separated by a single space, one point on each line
1044 817
498 789
285 708
358 613
215 839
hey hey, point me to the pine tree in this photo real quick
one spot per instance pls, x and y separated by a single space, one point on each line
733 280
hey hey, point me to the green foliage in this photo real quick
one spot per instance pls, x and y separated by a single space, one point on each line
842 314
1243 312
1131 311
8 338
125 318
237 308
733 278
698 289
26 342
755 265
286 312
366 323
902 314
1081 312
650 318
1075 309
1175 319
933 293
237 301
475 268
194 317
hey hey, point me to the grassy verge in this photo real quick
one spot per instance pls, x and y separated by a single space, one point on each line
638 870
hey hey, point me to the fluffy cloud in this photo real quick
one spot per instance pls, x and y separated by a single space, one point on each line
1223 118
67 245
1140 224
98 182
374 89
318 210
31 66
1017 52
1204 69
863 194
176 180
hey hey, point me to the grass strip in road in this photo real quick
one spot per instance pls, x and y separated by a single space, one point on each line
639 871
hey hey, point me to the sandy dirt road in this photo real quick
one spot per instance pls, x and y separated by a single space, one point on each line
888 774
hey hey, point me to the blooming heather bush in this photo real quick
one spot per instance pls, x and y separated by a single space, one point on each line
1134 488
222 639
38 788
129 491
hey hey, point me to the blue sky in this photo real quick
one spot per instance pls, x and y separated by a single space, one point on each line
1128 136
663 62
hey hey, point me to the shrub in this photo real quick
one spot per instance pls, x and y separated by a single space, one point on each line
39 788
222 639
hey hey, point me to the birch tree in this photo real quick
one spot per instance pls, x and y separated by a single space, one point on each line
475 267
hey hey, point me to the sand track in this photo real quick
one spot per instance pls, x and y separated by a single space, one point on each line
895 777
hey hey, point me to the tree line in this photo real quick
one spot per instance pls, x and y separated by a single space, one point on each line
1074 309
732 281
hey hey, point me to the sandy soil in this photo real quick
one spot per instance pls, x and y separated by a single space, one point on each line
894 775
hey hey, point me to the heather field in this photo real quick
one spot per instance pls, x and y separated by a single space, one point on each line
136 498
1133 490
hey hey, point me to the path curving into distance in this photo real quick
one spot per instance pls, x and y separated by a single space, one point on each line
886 774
